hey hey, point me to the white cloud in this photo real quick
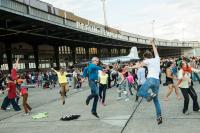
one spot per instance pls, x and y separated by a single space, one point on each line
172 16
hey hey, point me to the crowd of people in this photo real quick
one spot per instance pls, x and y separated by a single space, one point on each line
134 77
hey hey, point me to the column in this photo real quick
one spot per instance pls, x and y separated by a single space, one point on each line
26 61
118 51
127 51
1 55
73 54
36 56
87 53
99 52
56 56
109 52
9 56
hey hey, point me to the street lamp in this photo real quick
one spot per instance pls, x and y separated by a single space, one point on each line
153 30
104 13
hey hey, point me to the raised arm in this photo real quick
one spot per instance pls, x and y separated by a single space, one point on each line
16 64
54 70
154 48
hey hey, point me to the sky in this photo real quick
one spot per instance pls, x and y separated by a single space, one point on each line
174 19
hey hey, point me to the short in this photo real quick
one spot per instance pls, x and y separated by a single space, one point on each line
64 87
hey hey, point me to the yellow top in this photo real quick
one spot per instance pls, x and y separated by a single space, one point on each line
62 78
103 78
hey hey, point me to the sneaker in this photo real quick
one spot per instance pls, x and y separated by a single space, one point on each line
186 112
127 99
30 111
119 91
159 120
26 114
8 108
125 92
149 98
87 101
95 114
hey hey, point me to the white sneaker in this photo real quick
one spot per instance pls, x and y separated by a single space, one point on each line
119 91
187 112
8 108
125 92
26 114
127 99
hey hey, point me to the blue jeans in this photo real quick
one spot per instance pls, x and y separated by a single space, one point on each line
94 94
7 101
153 84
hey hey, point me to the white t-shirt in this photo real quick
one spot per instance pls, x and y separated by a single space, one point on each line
153 66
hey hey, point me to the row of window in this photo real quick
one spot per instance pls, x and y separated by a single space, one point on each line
64 50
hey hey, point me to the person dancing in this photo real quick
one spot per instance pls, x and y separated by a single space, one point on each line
92 73
170 82
62 79
152 82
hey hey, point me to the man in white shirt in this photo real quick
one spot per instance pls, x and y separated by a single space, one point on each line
152 82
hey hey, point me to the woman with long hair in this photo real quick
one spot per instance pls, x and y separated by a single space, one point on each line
169 80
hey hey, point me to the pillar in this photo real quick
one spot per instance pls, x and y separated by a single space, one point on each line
109 52
56 56
73 54
9 56
36 56
87 53
26 61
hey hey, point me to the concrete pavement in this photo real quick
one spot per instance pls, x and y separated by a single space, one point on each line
113 116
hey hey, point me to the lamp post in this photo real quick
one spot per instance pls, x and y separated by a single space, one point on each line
104 13
153 22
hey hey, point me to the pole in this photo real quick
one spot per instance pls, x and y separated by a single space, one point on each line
104 13
153 22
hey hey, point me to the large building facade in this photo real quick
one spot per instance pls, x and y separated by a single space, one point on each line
44 36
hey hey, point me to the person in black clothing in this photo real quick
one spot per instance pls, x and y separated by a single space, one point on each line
170 82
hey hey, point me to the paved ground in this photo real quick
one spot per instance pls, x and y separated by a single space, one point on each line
113 117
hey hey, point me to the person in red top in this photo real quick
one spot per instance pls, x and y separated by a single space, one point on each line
24 94
10 98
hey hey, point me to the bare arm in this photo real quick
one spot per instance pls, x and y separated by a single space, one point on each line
54 70
154 48
169 73
16 64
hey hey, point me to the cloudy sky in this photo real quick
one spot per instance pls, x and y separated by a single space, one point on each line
174 19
